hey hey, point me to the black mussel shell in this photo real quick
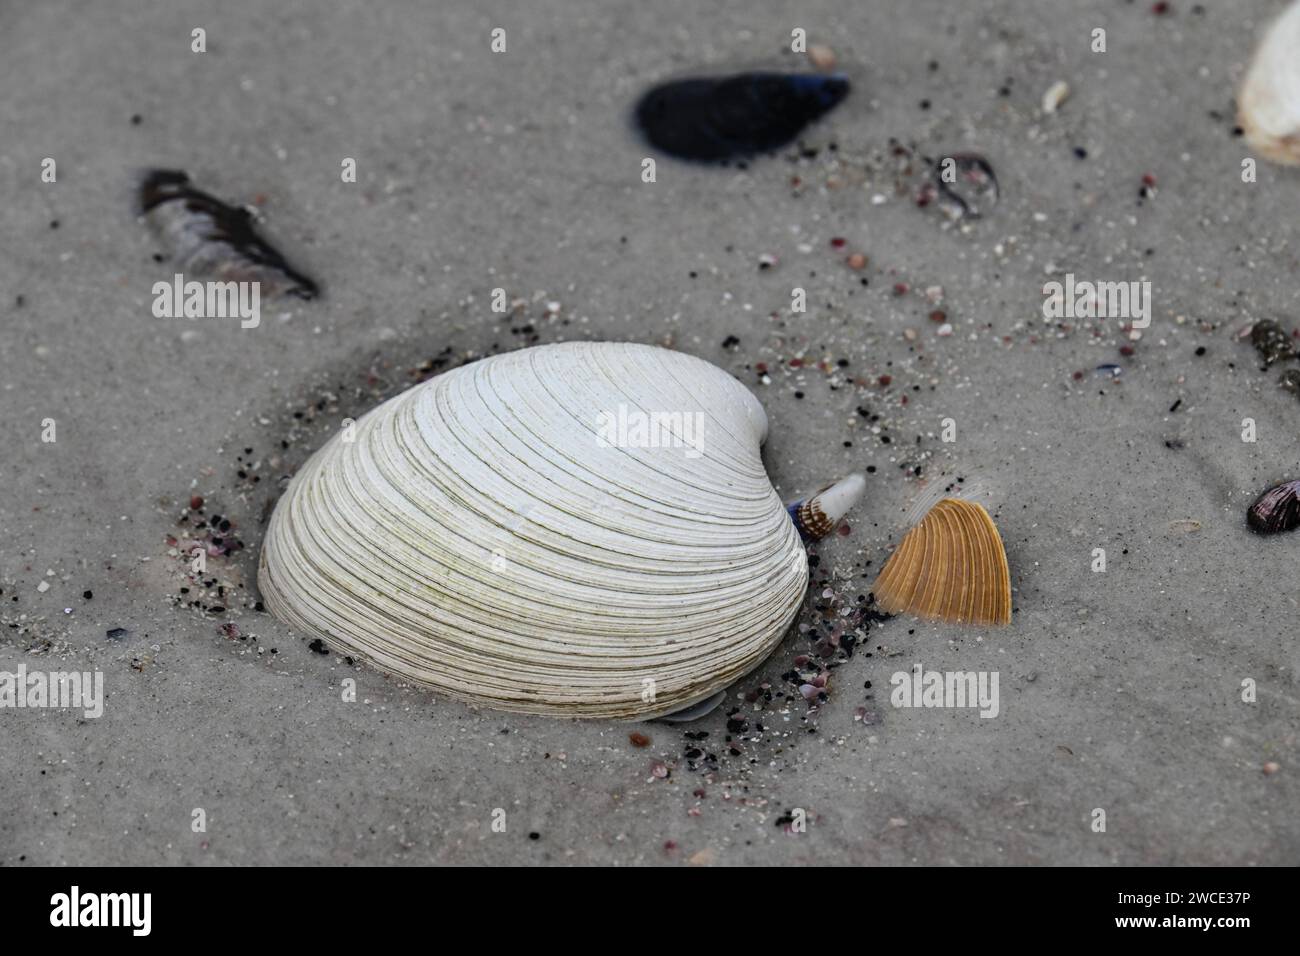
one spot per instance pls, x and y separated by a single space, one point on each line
723 118
1277 509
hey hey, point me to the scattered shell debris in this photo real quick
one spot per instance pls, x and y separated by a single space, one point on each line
963 186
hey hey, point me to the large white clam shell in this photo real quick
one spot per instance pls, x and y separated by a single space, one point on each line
479 537
1269 103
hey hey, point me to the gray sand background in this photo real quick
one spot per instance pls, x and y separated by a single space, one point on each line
1118 690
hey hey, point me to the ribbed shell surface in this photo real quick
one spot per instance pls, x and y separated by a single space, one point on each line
482 535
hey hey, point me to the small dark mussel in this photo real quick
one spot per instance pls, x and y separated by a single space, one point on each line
964 186
1290 381
207 236
734 117
1272 342
1277 509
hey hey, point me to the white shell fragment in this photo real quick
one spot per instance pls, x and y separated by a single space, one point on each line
818 516
583 529
1056 95
1269 102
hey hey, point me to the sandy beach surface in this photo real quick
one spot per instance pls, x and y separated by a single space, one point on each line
1120 691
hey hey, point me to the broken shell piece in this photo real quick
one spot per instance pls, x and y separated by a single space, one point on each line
818 516
1277 509
950 567
206 236
822 57
1269 102
967 186
1056 95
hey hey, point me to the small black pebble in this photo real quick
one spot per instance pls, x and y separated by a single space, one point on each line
318 646
88 594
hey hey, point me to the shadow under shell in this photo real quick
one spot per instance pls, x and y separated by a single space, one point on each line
722 118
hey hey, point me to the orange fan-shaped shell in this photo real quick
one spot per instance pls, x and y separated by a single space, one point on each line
950 567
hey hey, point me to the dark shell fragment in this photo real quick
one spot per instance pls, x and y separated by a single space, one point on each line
1272 342
722 118
966 184
1277 509
1290 381
207 236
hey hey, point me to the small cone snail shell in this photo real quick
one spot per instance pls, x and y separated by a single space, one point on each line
583 529
818 516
